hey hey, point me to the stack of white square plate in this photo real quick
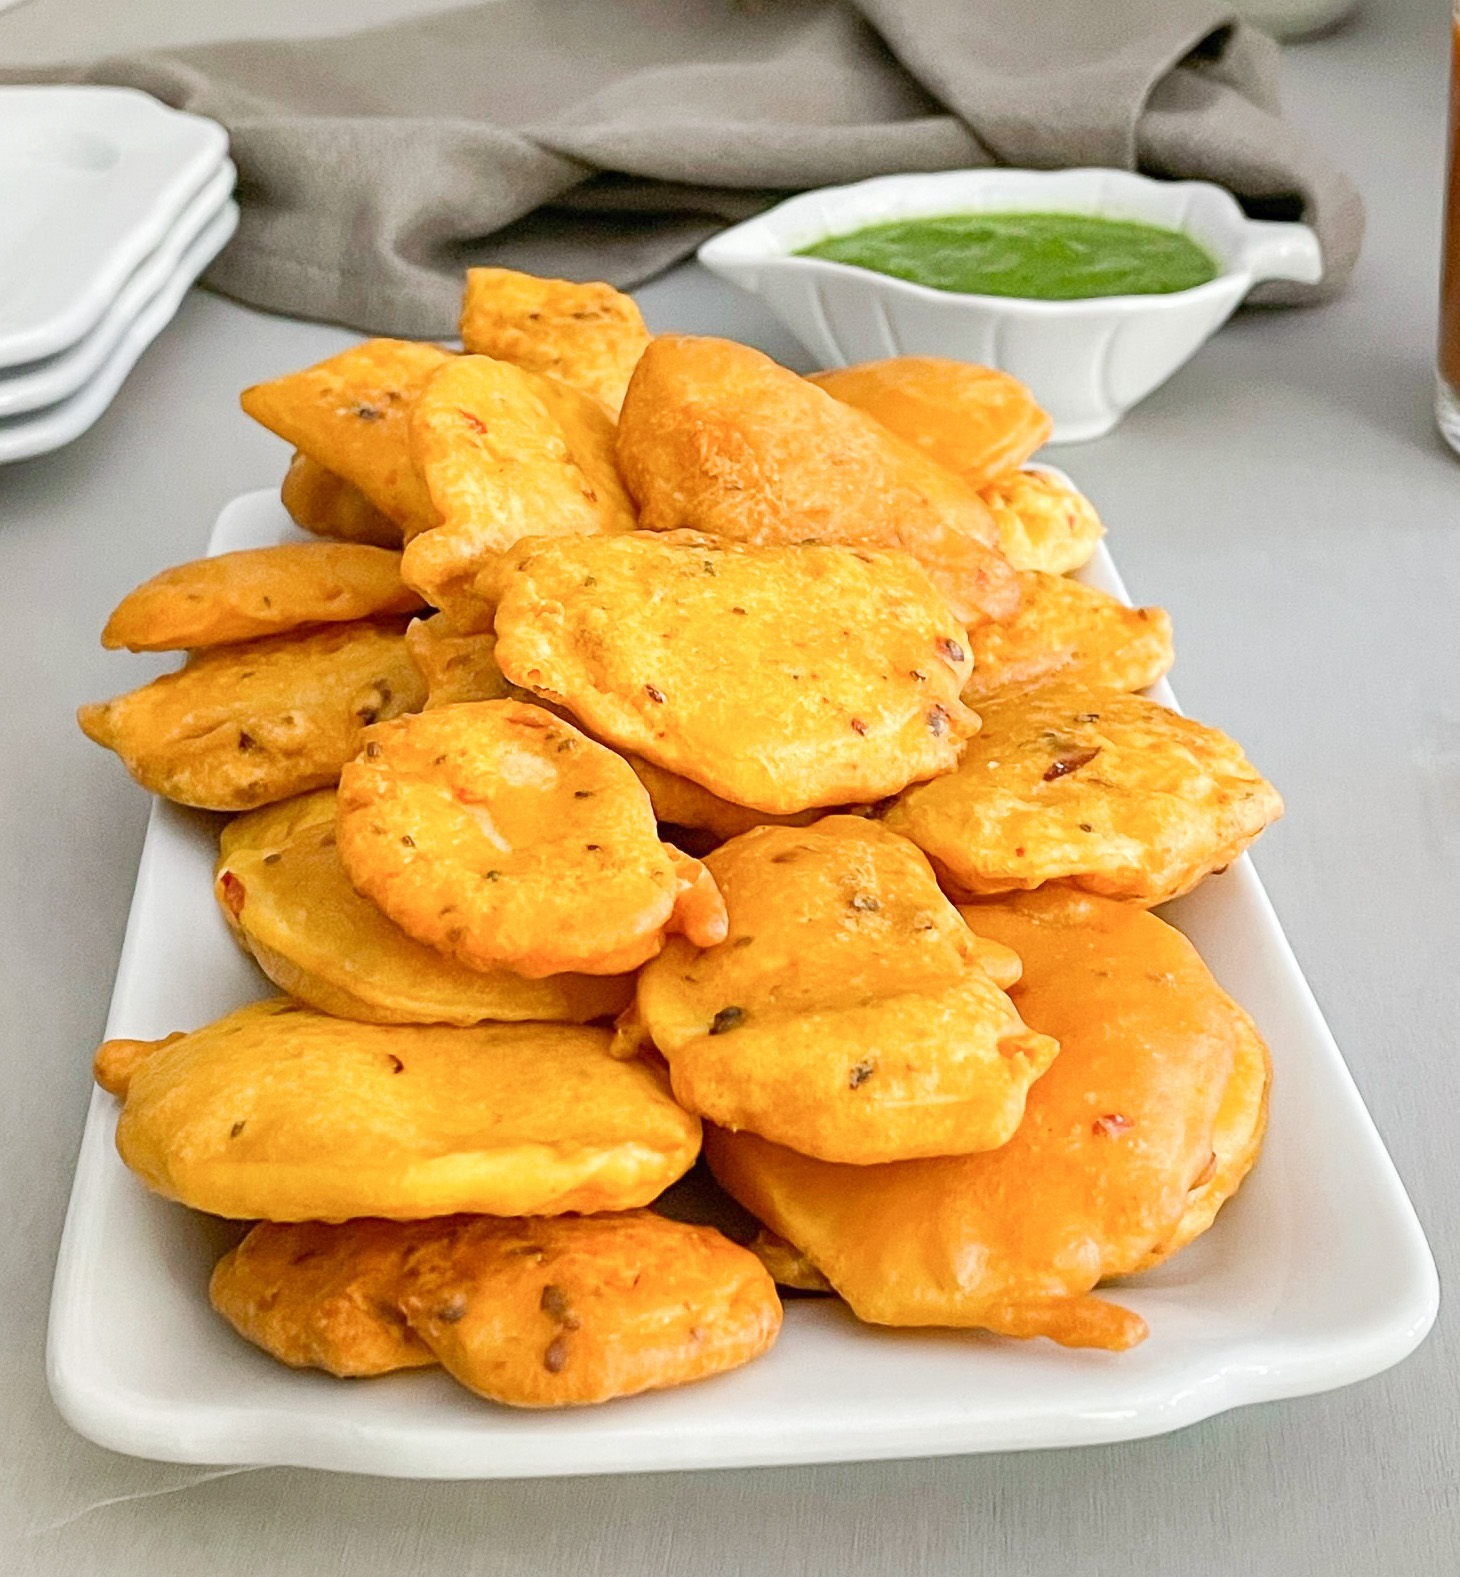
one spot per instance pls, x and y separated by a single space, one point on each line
111 205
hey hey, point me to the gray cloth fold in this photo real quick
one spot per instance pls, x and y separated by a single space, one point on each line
605 139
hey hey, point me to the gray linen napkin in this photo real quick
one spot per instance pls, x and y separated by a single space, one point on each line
605 139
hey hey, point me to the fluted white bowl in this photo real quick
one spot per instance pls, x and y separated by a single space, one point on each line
1087 361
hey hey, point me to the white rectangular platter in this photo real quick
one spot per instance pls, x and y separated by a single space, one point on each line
1315 1276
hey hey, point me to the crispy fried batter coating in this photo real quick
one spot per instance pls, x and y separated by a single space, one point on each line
1043 523
457 667
684 803
329 506
316 1296
241 726
787 1265
846 1015
716 437
1236 1139
549 1313
279 1113
975 420
1107 792
506 454
285 894
1115 1137
589 335
502 836
350 414
1072 633
777 678
245 596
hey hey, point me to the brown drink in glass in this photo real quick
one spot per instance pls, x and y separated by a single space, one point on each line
1447 390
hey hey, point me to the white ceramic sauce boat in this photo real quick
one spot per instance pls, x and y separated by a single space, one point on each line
1087 361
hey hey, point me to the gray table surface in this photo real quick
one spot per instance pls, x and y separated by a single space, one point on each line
1284 496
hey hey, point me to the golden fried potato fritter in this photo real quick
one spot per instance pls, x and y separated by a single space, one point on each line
1043 523
279 1113
975 420
1072 633
505 454
589 335
502 836
287 899
350 413
777 678
1116 1138
1107 792
846 1014
715 437
316 1296
241 726
548 1313
245 596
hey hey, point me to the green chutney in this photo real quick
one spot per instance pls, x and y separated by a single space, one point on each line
1049 257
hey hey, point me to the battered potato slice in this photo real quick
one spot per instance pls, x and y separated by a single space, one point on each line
505 454
1043 523
1072 633
350 414
245 596
285 894
500 835
716 437
1115 1138
588 335
329 506
777 678
846 1015
975 420
549 1313
241 726
1107 792
279 1113
324 1297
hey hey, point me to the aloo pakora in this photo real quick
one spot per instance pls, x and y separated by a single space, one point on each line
1071 633
287 899
350 415
505 454
846 1014
548 1313
242 726
245 596
502 836
329 506
279 1113
975 420
316 1296
588 335
1116 1139
716 437
779 678
1043 523
457 667
1110 793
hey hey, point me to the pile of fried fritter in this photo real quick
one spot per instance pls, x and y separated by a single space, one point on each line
657 747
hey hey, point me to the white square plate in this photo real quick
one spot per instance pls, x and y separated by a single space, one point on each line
91 179
38 432
37 384
1316 1275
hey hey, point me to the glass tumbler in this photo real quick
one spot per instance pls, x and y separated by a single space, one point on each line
1447 382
